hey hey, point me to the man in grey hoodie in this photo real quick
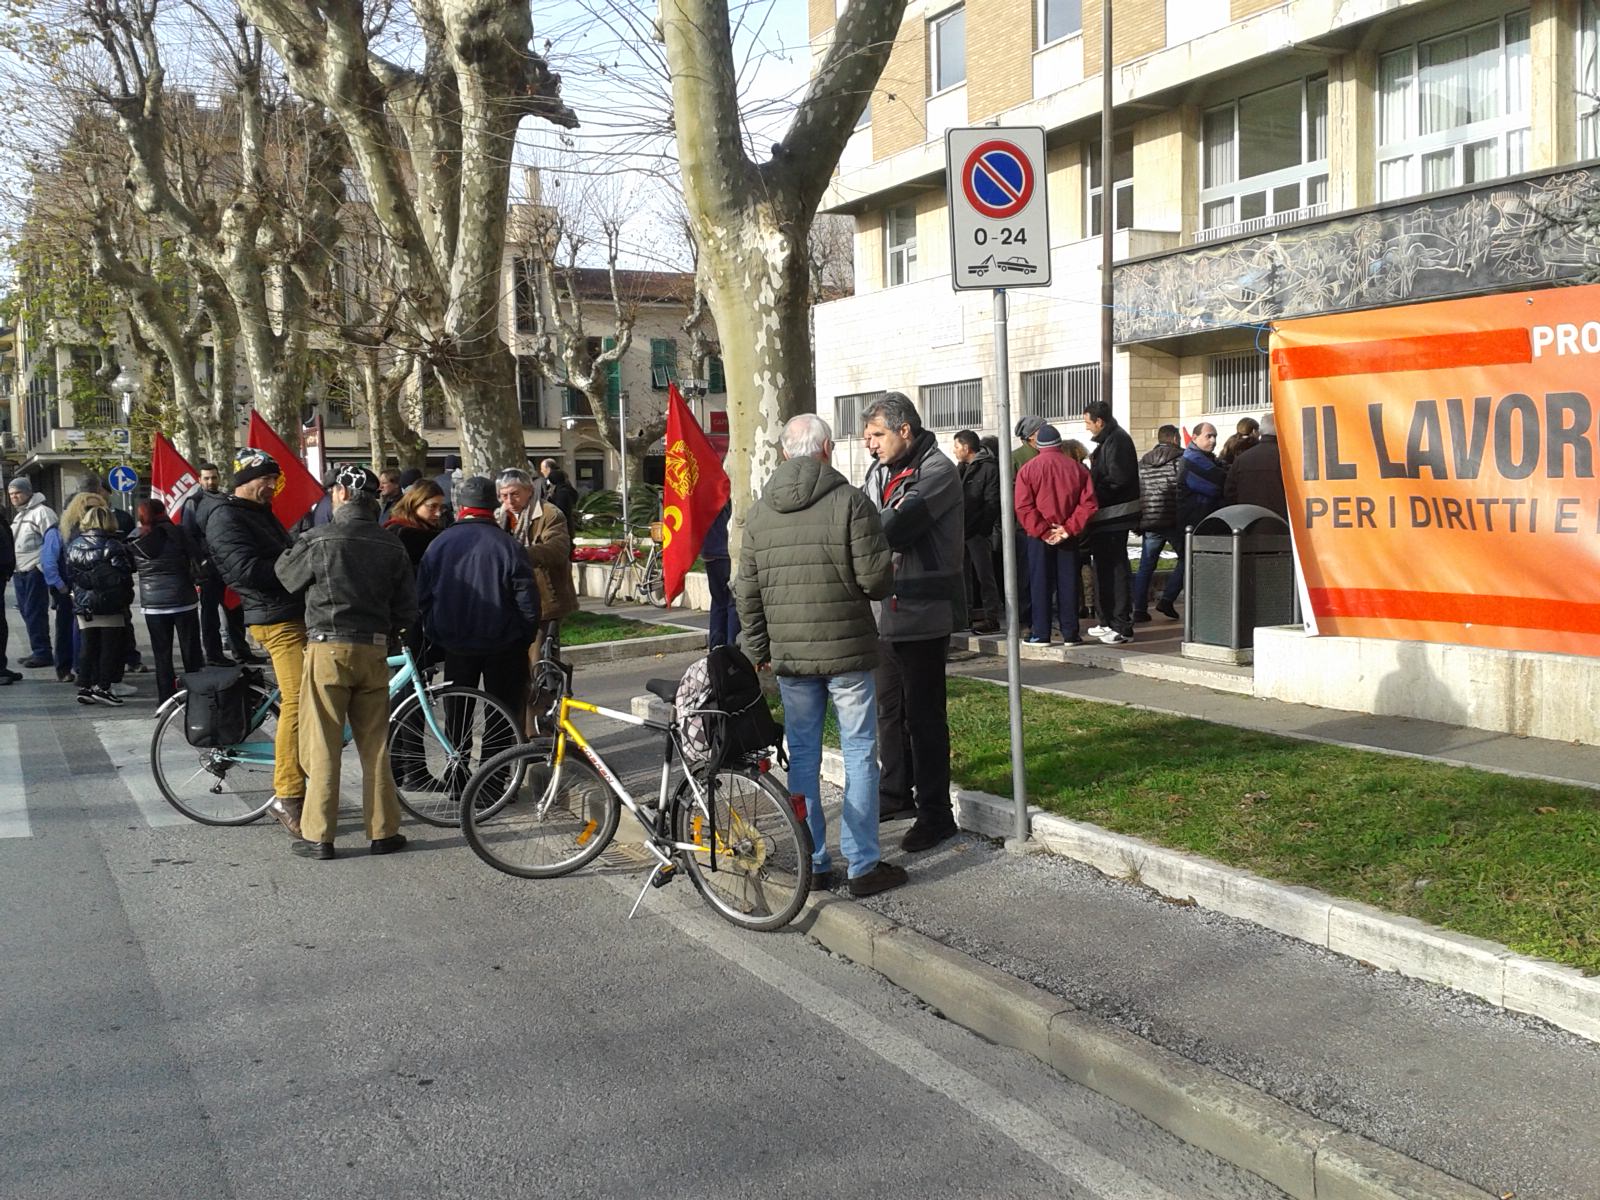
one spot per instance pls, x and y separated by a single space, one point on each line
918 494
813 560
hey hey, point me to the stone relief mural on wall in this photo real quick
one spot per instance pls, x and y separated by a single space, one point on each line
1533 231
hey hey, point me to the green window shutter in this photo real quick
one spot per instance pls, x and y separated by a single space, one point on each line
717 382
663 362
613 378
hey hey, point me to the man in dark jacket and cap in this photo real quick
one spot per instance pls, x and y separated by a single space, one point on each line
814 559
479 599
980 496
1115 472
1256 476
359 593
1158 522
246 540
918 497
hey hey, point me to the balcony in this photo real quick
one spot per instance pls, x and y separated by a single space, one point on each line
1257 224
1515 233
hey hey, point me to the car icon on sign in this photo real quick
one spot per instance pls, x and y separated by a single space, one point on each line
983 267
1021 265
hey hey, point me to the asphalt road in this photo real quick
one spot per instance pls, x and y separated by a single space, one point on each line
194 1013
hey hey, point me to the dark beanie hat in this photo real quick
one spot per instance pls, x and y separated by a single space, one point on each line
476 491
1048 436
361 483
251 464
409 476
1028 426
452 461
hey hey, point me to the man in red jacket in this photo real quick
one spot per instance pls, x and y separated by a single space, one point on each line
1054 500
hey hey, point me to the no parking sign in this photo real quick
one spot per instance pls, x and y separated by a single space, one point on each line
999 219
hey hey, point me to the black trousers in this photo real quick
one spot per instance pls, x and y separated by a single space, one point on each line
1113 580
101 653
503 674
913 731
212 613
165 628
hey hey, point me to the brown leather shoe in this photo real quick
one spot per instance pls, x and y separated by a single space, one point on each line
287 809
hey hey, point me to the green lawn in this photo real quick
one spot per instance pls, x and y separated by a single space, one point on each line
586 628
1513 860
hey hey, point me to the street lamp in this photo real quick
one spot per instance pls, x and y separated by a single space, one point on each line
125 384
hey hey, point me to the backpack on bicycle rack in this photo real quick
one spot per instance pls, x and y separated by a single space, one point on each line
722 712
217 709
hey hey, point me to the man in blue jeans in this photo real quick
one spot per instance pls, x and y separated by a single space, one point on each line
814 558
33 518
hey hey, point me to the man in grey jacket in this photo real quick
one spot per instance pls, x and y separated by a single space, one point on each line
918 494
814 559
359 592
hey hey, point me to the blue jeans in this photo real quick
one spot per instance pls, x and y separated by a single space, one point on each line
33 601
1149 559
805 699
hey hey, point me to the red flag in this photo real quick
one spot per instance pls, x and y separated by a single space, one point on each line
298 489
695 490
173 480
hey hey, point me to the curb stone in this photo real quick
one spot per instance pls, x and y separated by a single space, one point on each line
1307 1158
639 647
1561 995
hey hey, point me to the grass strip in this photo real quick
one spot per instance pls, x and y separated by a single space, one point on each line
1513 860
587 628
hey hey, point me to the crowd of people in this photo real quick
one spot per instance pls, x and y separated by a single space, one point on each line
850 595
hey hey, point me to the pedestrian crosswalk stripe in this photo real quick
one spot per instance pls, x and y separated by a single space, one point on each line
128 744
13 792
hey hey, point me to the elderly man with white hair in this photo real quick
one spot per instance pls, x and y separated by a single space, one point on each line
814 559
33 520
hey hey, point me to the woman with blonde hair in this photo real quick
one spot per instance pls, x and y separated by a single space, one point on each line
99 569
56 540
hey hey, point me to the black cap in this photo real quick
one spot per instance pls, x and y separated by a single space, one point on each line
476 491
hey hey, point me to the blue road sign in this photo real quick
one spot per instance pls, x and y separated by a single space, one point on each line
123 479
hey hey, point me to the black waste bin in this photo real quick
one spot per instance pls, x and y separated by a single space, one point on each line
1239 574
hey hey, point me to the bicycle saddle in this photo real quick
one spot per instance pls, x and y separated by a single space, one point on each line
665 689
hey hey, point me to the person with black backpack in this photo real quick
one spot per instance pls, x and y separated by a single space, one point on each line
98 568
814 558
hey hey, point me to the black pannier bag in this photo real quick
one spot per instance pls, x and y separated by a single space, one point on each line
217 711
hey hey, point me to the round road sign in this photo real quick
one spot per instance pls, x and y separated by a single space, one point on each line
123 479
998 180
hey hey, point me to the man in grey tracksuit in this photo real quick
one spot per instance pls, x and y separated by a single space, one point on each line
814 558
918 494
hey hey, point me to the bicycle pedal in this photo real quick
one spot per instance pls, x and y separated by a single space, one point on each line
663 875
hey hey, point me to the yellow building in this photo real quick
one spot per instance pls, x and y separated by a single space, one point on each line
1272 160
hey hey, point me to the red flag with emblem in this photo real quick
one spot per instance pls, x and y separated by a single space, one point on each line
298 489
173 479
695 489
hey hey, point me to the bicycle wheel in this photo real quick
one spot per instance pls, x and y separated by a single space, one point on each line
654 588
228 785
619 568
429 774
756 871
560 820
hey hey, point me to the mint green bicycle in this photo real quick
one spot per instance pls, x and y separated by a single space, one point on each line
439 734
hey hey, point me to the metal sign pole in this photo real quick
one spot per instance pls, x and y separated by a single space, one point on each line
1008 558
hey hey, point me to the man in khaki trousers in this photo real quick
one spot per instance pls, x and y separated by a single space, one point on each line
359 592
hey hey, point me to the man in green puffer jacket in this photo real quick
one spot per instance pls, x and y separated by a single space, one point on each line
814 558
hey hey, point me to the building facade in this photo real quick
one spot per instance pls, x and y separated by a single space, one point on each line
1270 160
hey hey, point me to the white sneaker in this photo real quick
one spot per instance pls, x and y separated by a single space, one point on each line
1099 631
1112 638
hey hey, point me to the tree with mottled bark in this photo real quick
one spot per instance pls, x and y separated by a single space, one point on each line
434 147
752 220
260 218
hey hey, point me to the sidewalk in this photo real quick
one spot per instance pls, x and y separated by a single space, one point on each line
1504 1102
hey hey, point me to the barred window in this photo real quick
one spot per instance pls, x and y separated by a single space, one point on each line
952 405
1236 382
1060 393
847 413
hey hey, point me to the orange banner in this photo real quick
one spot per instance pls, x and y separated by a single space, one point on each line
1439 461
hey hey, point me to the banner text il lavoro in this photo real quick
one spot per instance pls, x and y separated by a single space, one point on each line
1440 467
